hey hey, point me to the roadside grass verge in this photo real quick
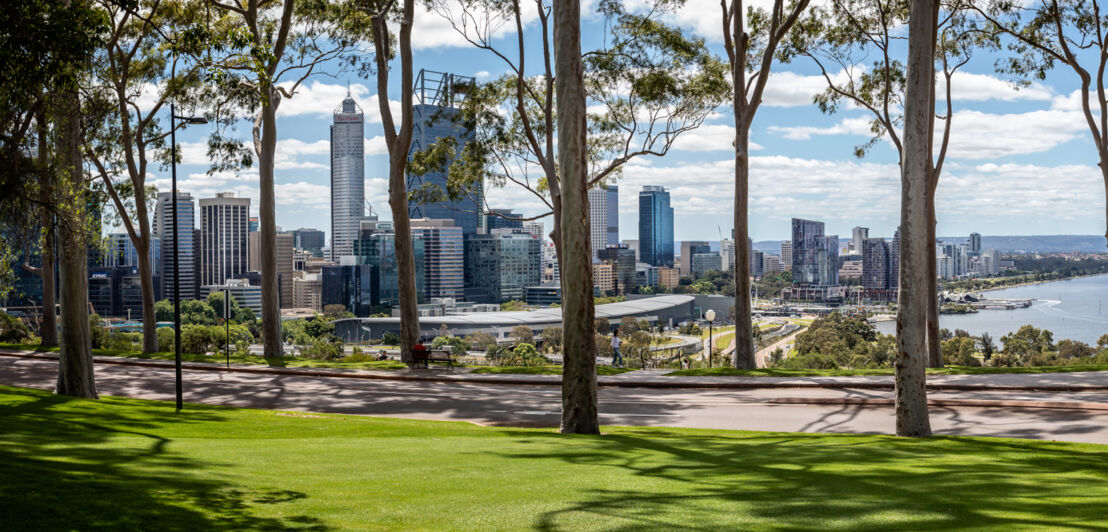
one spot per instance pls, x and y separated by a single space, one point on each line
77 464
948 370
542 370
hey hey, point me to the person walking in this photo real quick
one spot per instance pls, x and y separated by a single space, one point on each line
617 357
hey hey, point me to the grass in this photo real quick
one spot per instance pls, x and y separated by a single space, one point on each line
123 464
948 370
248 360
542 370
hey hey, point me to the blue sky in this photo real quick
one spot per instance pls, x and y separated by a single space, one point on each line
1021 161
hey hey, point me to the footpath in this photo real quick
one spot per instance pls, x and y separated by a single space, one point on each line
1015 382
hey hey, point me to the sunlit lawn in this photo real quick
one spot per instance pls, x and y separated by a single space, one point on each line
220 358
122 464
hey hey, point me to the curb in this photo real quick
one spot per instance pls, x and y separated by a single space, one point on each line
865 401
602 381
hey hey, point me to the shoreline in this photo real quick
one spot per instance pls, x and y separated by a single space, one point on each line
1030 283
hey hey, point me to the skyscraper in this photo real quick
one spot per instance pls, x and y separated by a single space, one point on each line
787 254
163 229
859 235
655 227
311 240
347 176
434 113
502 219
876 264
224 224
815 256
975 244
622 260
444 257
499 266
603 218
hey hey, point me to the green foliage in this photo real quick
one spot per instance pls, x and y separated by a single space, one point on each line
603 326
522 334
1027 342
811 360
336 312
165 339
552 339
690 329
959 351
513 305
390 338
480 340
322 349
163 310
12 329
609 299
850 341
459 347
524 354
97 331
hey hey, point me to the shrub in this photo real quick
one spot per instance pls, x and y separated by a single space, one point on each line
196 339
322 349
458 346
97 330
480 340
165 339
12 329
809 361
523 355
390 338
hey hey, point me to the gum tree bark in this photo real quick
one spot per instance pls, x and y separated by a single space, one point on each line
75 372
399 143
48 330
579 392
746 97
916 174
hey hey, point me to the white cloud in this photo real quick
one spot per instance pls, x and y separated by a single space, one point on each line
317 98
713 137
857 125
968 86
433 30
789 89
376 146
482 74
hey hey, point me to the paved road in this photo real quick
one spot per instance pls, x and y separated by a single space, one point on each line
519 405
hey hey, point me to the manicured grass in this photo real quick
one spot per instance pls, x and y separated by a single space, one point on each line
122 464
543 370
948 370
249 360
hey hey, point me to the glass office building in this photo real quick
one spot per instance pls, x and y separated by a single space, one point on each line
655 227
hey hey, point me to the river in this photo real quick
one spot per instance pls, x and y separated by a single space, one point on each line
1073 308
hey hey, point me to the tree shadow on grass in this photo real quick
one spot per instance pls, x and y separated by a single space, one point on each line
801 481
66 467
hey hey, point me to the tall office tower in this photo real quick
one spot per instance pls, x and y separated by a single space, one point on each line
253 223
375 250
500 265
444 257
163 229
815 256
121 252
655 227
859 235
688 249
311 240
787 255
974 244
622 260
876 262
224 222
347 176
726 254
603 218
435 110
502 219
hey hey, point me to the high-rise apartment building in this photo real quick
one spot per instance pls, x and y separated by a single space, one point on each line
655 227
435 116
163 229
756 263
347 176
224 224
727 254
444 257
603 218
285 263
858 238
787 255
815 256
877 262
702 263
771 264
974 244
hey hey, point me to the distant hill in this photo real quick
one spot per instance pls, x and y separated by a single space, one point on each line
1004 244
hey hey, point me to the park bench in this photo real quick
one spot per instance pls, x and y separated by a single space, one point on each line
427 356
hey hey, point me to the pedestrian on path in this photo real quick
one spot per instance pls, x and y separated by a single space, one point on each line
617 357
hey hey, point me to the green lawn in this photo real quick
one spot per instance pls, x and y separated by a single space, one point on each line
543 370
249 360
122 464
948 370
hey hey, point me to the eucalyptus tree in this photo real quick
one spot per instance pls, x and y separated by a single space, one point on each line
915 217
1045 34
751 37
399 143
272 48
839 39
645 86
148 60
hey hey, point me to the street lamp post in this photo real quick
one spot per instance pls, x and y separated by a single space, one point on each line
710 316
173 118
